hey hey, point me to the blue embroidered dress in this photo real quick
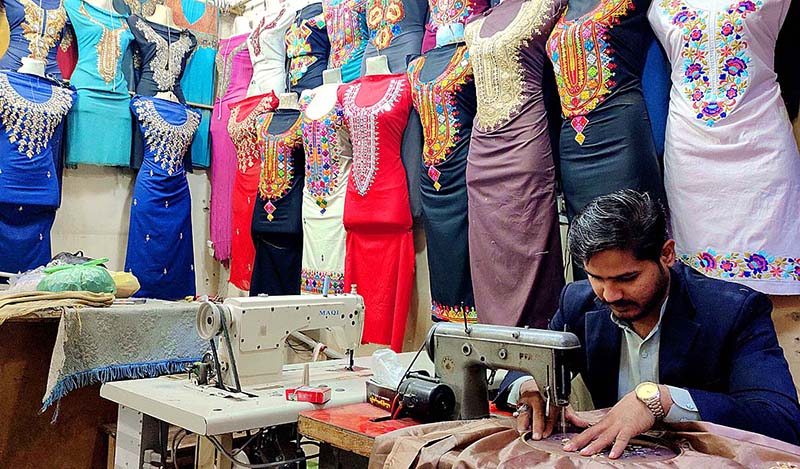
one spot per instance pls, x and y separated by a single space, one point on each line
160 251
35 30
31 113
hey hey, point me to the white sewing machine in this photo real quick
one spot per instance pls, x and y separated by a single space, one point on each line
248 335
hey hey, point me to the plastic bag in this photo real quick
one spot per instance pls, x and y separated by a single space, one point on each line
386 367
66 258
26 281
82 277
127 284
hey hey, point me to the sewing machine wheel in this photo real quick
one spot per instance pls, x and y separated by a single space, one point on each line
641 449
208 321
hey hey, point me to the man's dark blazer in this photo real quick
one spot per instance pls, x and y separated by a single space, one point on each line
717 341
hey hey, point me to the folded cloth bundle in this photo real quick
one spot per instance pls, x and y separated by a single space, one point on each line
14 305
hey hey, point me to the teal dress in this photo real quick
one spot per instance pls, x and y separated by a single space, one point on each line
99 124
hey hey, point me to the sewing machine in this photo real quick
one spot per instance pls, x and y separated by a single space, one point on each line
461 354
248 335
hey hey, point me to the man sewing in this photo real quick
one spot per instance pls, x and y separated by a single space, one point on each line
659 340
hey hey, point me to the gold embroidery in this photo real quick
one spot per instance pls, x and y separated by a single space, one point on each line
168 142
142 7
225 68
783 465
42 28
499 75
108 48
166 64
244 134
31 124
66 40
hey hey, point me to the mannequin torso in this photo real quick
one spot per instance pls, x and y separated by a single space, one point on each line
288 101
377 65
163 16
101 4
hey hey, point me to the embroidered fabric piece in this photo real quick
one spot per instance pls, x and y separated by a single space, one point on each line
42 28
244 133
499 76
743 265
298 49
437 110
142 7
66 40
168 142
364 132
225 68
442 312
108 47
166 64
444 12
383 18
313 281
29 124
715 72
344 29
255 36
277 164
321 145
582 60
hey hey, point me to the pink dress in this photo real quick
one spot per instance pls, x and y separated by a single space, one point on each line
234 72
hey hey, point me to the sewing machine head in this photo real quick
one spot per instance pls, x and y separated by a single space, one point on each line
253 347
462 355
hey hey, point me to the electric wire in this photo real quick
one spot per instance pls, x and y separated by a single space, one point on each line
225 453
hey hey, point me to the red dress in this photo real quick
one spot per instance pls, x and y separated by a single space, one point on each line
377 217
242 128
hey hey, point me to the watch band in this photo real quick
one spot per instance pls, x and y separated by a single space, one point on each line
654 404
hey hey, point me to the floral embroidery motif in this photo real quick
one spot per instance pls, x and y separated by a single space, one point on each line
166 64
30 124
244 133
583 62
715 61
298 49
225 68
321 144
108 47
263 26
142 7
383 18
66 40
444 12
277 163
363 125
313 281
440 312
435 102
747 265
343 18
42 28
167 141
499 74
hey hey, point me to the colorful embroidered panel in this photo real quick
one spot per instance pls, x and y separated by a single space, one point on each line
364 132
244 133
313 281
499 76
321 145
746 265
440 312
168 142
298 48
42 28
445 12
714 55
435 102
383 19
277 163
583 62
30 125
263 25
344 29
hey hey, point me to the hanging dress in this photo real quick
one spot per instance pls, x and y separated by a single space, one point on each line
234 72
598 50
445 12
32 110
243 131
732 168
160 252
67 53
443 91
307 49
380 245
99 124
328 155
277 228
163 53
267 47
396 28
348 34
514 241
35 30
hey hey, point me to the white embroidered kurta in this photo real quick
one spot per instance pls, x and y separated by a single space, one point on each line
732 167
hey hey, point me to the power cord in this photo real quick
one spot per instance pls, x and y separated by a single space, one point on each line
230 457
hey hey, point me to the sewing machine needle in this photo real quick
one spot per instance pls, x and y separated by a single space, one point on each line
563 421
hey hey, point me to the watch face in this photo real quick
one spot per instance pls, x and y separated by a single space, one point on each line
647 391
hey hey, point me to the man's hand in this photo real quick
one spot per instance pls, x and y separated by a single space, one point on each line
542 426
629 418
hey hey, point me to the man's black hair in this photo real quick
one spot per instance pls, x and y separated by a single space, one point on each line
625 220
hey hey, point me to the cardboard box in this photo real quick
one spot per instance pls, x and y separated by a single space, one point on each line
380 396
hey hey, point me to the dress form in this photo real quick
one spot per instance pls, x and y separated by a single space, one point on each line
32 67
378 65
332 75
450 33
242 25
288 101
163 16
107 5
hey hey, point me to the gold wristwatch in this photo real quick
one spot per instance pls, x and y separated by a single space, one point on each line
650 395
